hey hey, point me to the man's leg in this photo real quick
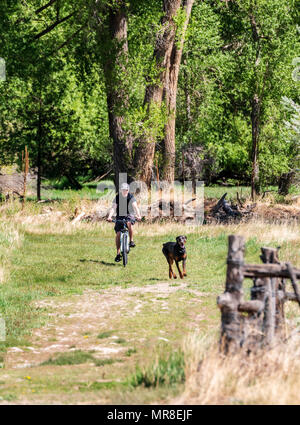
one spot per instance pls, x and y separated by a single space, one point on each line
131 243
129 225
118 236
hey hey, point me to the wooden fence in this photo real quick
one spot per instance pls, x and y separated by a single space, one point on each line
259 321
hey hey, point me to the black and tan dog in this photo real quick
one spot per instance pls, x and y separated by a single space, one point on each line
175 251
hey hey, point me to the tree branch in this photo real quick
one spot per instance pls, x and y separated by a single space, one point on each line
71 37
45 7
57 11
37 11
254 28
54 25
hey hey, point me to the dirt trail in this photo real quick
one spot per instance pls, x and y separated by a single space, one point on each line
76 321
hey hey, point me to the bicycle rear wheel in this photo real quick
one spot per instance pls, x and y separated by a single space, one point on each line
124 248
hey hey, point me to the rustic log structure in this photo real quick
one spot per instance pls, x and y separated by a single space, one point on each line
257 322
230 301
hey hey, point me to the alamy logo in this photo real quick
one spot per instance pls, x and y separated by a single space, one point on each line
2 330
161 199
2 70
296 71
296 63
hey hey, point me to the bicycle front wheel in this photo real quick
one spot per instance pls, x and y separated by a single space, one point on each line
124 248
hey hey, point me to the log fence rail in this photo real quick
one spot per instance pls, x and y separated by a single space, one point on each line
257 322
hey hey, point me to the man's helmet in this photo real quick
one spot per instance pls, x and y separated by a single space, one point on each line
124 186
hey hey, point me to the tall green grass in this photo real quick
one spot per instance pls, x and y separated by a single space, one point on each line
165 371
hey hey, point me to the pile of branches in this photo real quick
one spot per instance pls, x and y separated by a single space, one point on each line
171 210
226 212
157 211
166 210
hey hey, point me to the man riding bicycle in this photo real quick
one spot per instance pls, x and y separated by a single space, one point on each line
125 206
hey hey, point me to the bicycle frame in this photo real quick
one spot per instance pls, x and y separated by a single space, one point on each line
124 241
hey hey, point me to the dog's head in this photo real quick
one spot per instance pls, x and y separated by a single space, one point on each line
181 240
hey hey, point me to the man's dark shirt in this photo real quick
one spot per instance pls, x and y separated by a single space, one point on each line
124 205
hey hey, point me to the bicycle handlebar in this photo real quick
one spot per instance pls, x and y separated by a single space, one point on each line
114 220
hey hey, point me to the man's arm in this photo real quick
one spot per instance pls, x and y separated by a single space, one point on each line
112 211
136 210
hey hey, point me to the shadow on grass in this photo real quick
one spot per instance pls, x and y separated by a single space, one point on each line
104 263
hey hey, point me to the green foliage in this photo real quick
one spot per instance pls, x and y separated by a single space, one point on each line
105 334
97 386
74 357
220 74
179 21
104 362
120 341
47 104
292 127
165 371
130 351
54 99
146 121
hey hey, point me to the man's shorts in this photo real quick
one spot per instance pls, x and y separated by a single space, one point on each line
119 225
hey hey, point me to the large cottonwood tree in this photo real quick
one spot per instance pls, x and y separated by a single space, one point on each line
114 52
167 54
170 92
269 36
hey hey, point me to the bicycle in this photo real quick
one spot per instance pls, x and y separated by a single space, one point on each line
124 240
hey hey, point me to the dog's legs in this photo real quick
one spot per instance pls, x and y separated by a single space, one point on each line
180 272
184 266
171 273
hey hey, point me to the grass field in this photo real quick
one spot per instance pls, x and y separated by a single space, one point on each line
82 329
55 190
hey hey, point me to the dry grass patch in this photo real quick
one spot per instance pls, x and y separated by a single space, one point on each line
271 377
10 238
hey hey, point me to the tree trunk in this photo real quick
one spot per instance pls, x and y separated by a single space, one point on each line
285 182
73 182
39 157
115 60
144 154
170 93
187 95
255 112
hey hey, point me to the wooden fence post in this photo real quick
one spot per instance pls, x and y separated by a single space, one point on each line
228 302
264 319
273 311
254 323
